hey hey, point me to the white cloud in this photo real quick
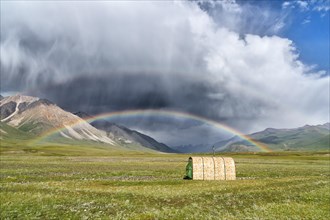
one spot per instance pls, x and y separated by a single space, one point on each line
314 5
287 5
322 8
306 21
255 82
247 18
303 5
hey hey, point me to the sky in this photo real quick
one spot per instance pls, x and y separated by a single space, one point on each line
246 64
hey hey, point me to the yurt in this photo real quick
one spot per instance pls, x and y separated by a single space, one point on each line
211 168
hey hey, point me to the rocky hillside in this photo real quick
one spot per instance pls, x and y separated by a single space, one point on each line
36 116
126 136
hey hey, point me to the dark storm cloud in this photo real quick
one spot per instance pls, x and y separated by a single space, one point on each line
109 93
119 91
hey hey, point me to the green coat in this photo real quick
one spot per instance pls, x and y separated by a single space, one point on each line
189 170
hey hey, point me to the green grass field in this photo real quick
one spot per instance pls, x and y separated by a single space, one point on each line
121 185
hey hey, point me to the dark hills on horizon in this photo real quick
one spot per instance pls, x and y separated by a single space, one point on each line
124 135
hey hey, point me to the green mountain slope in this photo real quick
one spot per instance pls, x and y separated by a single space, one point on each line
303 138
15 141
9 133
306 138
12 139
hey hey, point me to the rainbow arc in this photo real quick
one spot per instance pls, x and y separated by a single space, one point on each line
161 113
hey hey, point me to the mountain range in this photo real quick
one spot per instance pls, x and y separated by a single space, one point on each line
306 138
26 118
31 117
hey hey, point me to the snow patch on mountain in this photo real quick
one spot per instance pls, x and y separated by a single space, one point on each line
64 135
18 100
2 131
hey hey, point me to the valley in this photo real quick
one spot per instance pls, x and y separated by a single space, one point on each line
165 110
56 165
31 121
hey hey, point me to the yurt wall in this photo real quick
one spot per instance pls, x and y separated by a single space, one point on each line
213 168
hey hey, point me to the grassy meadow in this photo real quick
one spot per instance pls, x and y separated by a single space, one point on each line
46 184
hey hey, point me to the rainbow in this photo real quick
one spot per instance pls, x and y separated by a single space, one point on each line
163 113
